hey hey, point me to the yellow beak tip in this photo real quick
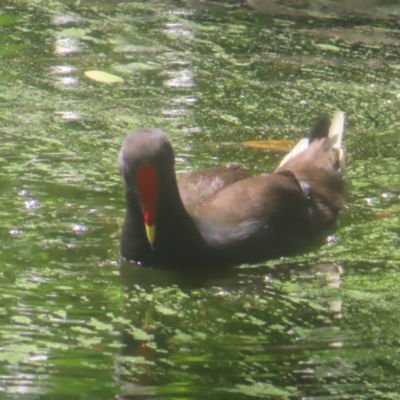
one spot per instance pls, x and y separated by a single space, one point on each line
151 233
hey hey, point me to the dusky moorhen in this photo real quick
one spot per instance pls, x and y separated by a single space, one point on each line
222 216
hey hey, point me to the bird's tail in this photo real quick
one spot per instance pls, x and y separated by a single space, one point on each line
318 165
333 131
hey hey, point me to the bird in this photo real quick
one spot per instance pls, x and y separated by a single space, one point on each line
223 216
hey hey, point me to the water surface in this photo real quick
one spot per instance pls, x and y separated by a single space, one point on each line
76 322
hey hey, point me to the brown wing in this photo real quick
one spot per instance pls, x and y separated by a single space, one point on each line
196 187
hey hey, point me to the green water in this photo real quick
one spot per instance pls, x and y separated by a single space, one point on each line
75 321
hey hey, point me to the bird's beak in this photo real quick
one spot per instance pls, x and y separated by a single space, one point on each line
146 181
151 233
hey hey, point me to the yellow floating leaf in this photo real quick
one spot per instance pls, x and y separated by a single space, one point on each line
274 145
103 77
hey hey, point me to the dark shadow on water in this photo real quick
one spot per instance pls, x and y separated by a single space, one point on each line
133 274
301 337
279 351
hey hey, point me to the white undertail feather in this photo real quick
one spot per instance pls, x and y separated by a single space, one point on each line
336 130
302 145
335 135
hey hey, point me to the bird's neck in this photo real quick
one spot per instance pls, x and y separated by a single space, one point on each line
170 208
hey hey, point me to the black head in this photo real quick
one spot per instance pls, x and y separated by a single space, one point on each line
148 146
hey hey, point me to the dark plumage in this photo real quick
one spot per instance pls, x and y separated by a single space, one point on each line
222 216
